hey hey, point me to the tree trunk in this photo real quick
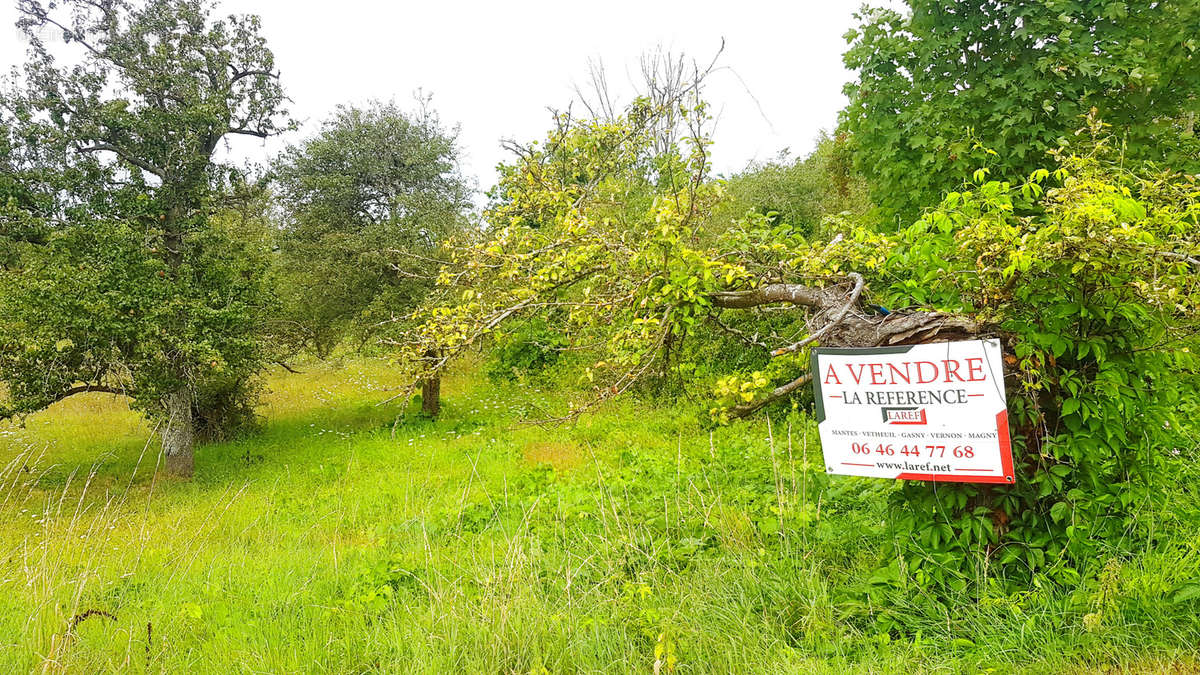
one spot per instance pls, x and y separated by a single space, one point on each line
179 438
431 395
854 328
431 386
839 322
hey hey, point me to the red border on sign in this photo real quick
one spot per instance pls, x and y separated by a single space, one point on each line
1006 462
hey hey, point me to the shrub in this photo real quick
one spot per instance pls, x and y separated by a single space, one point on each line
1091 285
528 350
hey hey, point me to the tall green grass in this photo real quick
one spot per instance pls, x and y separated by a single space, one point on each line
345 537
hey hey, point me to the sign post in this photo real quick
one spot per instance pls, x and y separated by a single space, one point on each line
920 412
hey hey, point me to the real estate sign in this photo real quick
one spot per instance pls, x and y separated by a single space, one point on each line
920 412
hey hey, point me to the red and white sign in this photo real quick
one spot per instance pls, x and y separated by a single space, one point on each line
920 412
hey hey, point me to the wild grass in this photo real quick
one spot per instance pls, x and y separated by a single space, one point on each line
338 539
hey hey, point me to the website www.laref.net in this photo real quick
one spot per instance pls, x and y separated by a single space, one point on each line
927 467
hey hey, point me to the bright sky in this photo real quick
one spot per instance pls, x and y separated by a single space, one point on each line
495 67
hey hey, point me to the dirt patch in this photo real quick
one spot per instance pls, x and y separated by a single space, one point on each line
558 454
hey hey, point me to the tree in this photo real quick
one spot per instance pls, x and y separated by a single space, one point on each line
605 229
22 192
1087 275
940 86
368 201
133 290
802 192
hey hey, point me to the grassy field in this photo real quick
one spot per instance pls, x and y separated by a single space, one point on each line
341 540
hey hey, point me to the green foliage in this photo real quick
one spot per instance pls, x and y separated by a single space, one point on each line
368 200
225 406
128 284
1092 286
528 350
1015 76
598 231
799 192
474 543
95 304
21 194
1086 273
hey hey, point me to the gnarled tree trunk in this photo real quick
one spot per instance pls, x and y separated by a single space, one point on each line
179 436
839 321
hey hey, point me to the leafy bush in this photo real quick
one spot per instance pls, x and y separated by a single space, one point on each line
800 193
1092 287
528 350
225 407
1017 76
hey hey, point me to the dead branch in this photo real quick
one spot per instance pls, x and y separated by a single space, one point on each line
837 318
852 328
845 326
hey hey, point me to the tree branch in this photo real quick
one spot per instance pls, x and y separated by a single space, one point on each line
140 163
247 131
241 74
852 329
739 334
288 368
854 294
843 328
64 394
42 17
796 294
775 394
1194 262
85 388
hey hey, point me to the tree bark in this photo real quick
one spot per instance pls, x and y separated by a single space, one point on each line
854 328
431 395
179 438
431 389
839 321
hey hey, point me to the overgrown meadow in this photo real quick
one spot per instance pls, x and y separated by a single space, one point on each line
357 537
350 411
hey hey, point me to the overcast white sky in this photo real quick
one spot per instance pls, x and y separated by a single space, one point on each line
494 67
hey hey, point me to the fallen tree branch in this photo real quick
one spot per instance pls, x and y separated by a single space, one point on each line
852 328
837 318
843 327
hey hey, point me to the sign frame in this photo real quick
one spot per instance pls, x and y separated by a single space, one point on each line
905 415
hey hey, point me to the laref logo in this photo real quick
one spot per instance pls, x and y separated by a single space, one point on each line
910 415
